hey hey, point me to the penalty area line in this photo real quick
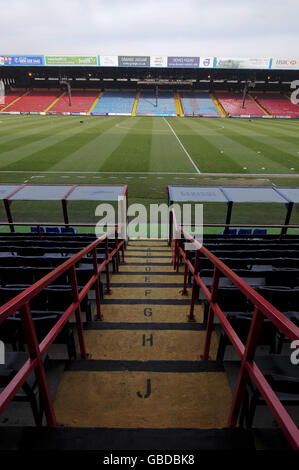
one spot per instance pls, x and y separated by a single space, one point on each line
182 146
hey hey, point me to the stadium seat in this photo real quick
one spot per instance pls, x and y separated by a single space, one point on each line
283 298
231 231
241 324
44 321
29 391
244 231
259 231
69 230
229 299
283 378
52 230
35 229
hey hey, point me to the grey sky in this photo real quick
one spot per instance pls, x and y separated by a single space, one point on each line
231 28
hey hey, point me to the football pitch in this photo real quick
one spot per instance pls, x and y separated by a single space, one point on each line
148 154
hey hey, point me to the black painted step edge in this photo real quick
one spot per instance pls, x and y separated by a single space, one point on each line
102 325
147 284
108 301
105 365
148 273
97 439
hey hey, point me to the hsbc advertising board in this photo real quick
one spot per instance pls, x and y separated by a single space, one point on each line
286 64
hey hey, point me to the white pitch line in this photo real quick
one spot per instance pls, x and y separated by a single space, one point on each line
182 146
66 172
99 172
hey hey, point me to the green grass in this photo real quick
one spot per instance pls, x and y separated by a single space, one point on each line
145 154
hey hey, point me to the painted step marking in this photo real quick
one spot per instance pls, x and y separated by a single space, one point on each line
177 400
149 313
144 293
133 345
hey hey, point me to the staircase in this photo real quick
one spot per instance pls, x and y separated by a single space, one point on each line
144 385
135 106
178 104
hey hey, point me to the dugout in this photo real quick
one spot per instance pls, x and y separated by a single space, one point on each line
254 205
58 203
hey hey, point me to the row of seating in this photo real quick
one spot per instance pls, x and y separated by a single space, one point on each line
115 102
195 102
148 104
271 267
35 101
53 230
277 104
246 231
198 103
232 104
25 259
81 102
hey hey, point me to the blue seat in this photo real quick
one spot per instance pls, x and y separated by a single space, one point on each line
231 231
245 231
70 230
259 231
52 230
35 230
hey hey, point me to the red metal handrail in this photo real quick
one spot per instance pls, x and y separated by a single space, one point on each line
22 303
262 309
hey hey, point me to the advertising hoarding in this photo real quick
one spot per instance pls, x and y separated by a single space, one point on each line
206 62
108 60
61 60
286 64
23 60
183 62
158 61
237 63
134 61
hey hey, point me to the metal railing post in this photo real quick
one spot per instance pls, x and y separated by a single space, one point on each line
177 255
194 287
117 253
123 247
184 291
210 321
97 286
108 290
78 313
251 344
39 232
34 353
